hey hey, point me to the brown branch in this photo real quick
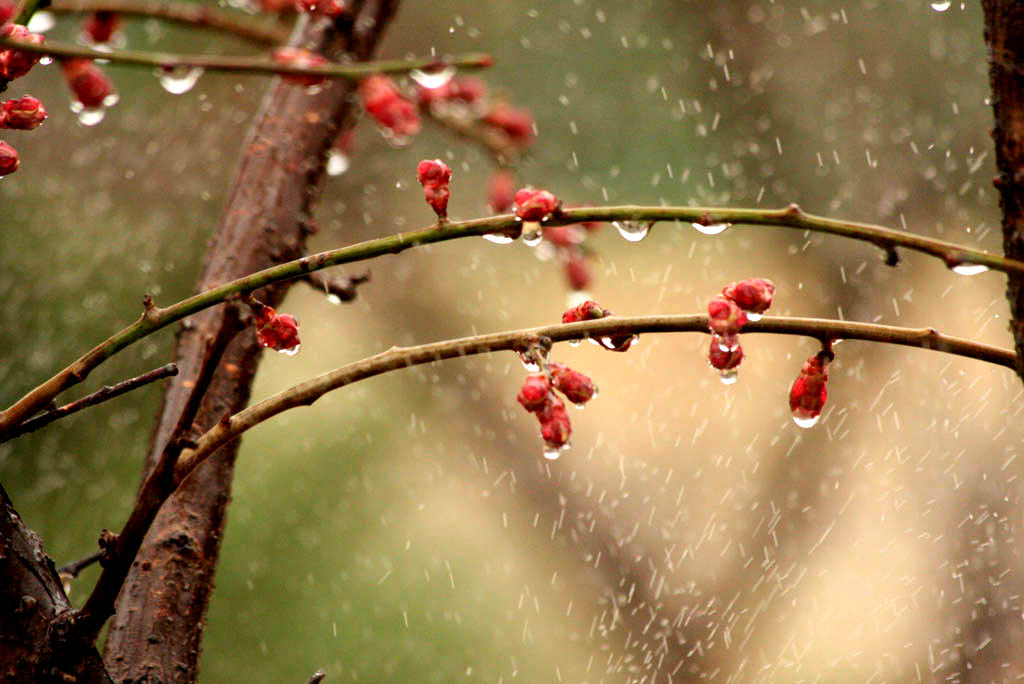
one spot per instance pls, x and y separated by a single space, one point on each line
72 569
192 14
343 288
98 397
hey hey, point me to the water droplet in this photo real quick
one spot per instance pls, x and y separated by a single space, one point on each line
532 234
552 453
729 377
88 116
338 163
433 78
111 100
333 299
625 345
941 5
41 22
969 269
529 364
575 343
712 229
46 60
315 89
292 351
633 231
179 79
754 317
729 343
806 422
498 238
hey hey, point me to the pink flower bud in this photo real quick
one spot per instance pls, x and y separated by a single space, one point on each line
724 354
586 311
87 81
517 124
577 270
326 8
276 331
576 386
22 114
534 393
808 395
298 57
725 317
433 172
100 26
555 426
501 191
8 159
753 294
383 101
535 205
15 64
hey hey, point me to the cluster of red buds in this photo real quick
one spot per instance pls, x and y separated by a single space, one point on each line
808 394
100 27
299 57
740 302
535 205
26 112
393 112
434 175
537 396
591 310
274 330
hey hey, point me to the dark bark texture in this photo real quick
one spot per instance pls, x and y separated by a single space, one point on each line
156 630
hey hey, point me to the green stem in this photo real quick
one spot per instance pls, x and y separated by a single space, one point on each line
352 72
827 331
791 217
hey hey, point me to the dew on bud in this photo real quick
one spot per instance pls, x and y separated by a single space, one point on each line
41 22
712 229
178 80
728 343
290 351
753 317
88 116
728 377
968 269
532 234
337 162
806 422
633 231
529 364
552 453
433 78
498 238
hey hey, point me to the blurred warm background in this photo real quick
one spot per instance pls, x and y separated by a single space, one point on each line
407 528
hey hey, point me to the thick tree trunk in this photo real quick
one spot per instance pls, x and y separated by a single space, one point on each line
155 634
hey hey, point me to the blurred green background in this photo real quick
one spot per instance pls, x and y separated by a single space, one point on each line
407 528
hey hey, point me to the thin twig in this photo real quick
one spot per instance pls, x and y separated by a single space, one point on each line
825 330
790 217
249 65
499 145
344 288
194 14
98 397
72 569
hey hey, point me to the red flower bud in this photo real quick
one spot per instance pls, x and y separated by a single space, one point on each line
588 310
724 354
99 27
433 172
555 426
534 205
87 81
725 317
383 101
277 331
326 8
22 114
517 124
8 159
501 191
808 395
7 8
563 236
534 393
15 64
298 57
753 295
576 386
465 89
577 270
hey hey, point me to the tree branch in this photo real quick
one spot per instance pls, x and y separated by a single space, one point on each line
791 217
343 288
827 331
98 397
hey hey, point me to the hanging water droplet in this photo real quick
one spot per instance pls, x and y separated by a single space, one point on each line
333 299
729 377
806 422
41 22
532 234
633 231
968 269
529 364
46 60
179 79
433 78
111 100
941 5
618 344
552 453
729 343
498 238
754 317
291 351
88 116
575 343
712 229
337 162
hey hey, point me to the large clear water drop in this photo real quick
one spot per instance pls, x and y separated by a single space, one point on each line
433 78
968 269
712 229
806 422
178 80
633 231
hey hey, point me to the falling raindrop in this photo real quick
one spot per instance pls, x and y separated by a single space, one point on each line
968 269
753 317
633 231
41 22
291 351
498 238
433 78
806 422
178 80
941 5
711 229
729 377
532 234
338 163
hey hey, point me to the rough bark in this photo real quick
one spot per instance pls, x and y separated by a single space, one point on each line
1004 35
37 643
156 631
